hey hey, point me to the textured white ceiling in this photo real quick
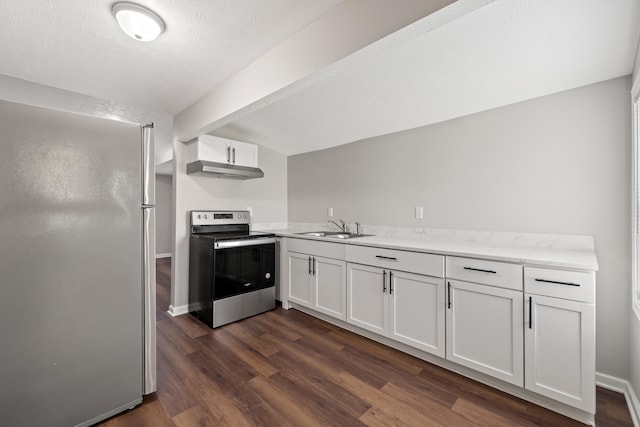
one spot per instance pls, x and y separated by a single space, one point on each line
505 52
77 45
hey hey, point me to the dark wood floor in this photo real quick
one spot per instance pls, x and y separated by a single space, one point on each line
284 368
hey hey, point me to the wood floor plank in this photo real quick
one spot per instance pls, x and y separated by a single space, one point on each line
243 333
326 391
312 333
286 368
378 417
266 321
381 362
177 336
439 413
213 400
173 371
248 355
315 400
377 398
296 414
195 416
419 386
239 392
304 355
471 390
472 412
329 364
409 363
191 326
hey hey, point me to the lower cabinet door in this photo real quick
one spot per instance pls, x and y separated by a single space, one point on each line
485 329
300 284
330 287
560 350
417 313
367 305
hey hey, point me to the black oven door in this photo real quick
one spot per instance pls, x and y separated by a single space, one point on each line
243 266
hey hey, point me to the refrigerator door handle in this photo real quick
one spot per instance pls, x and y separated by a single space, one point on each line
149 298
148 166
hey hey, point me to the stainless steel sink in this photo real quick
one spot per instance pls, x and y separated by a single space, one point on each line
347 235
333 234
314 234
321 233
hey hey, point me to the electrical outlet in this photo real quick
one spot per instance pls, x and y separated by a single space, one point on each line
419 212
330 212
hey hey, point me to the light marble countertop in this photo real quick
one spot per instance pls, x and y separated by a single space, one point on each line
540 250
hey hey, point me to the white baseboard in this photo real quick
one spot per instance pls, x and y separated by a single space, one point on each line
634 405
163 256
178 311
611 383
622 386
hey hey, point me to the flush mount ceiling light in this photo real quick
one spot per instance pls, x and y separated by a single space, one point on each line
137 21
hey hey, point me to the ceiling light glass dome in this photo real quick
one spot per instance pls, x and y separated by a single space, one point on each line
137 21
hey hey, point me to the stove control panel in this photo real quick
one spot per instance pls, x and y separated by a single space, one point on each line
220 217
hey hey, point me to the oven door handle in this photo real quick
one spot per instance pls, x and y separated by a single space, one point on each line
247 242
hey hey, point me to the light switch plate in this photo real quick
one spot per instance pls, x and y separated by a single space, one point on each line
419 212
330 212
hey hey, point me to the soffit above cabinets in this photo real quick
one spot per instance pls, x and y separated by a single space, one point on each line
501 53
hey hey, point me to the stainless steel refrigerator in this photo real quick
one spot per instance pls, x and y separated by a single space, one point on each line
77 266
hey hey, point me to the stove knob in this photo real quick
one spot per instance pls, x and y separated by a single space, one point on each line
199 216
205 216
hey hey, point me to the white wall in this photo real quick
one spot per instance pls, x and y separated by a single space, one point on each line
634 318
164 209
556 164
267 196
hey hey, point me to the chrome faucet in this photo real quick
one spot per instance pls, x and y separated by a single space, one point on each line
342 226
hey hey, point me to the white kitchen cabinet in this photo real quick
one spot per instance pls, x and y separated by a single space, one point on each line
329 282
243 154
406 307
416 311
222 150
315 281
484 329
560 336
300 284
367 298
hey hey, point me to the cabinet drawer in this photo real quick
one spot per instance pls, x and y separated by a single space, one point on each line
314 247
412 262
494 273
572 285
